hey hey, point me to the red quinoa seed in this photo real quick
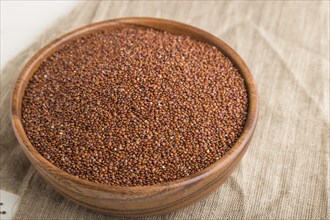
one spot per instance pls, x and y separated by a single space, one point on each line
134 106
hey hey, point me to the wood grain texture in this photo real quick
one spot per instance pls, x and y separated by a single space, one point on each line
139 200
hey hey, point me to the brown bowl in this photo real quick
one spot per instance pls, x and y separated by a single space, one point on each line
138 200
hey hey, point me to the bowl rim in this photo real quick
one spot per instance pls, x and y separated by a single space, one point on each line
39 56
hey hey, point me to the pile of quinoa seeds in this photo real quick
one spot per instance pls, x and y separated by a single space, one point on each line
134 106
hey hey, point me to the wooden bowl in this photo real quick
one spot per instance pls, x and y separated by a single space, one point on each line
139 200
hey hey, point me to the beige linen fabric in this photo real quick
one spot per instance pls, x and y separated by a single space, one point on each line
285 173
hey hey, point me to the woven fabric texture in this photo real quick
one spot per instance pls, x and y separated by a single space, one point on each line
285 172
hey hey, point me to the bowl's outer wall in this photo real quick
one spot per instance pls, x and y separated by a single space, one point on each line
147 200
